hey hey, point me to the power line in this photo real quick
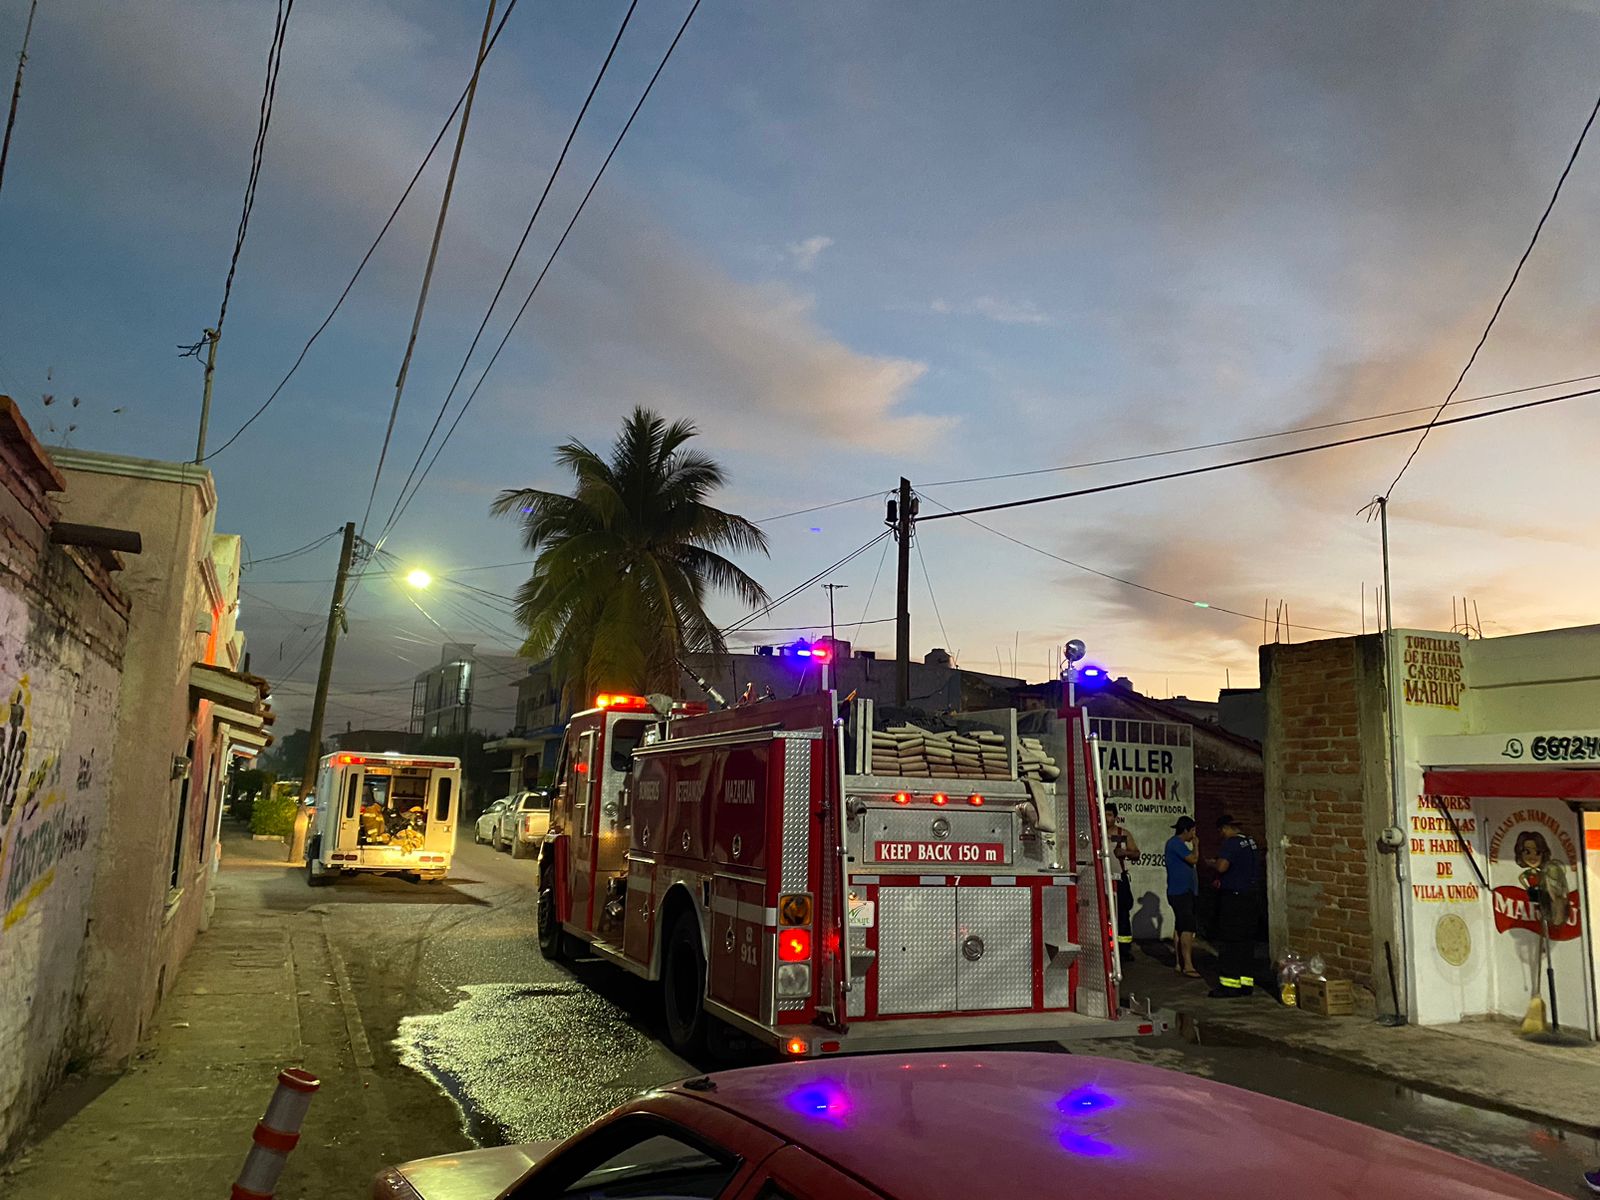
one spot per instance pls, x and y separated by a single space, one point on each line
269 96
371 250
1240 441
251 561
1175 450
928 579
872 591
800 587
1260 458
806 628
405 501
433 258
1504 296
516 254
16 90
818 508
1143 587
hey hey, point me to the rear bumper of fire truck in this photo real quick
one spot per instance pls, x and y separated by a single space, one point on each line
941 1032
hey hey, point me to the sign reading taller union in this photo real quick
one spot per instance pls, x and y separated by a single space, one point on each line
1432 675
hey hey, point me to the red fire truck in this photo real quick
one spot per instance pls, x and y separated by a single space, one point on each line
750 862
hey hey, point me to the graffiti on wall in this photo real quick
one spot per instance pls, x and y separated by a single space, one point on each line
36 830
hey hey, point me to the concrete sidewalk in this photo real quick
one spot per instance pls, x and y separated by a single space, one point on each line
261 990
1485 1064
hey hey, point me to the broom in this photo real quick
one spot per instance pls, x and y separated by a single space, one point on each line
1533 1021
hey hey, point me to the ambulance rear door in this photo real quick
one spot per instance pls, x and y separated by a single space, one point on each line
345 817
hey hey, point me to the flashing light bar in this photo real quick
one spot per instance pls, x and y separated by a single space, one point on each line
620 700
388 759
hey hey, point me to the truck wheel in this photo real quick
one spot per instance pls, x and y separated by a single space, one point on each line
683 986
315 876
521 849
552 940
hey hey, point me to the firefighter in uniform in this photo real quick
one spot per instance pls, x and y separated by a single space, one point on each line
1238 869
1126 850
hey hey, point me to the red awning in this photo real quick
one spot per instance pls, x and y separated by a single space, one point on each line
1511 784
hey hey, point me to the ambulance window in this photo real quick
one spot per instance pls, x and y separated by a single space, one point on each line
350 798
625 738
441 808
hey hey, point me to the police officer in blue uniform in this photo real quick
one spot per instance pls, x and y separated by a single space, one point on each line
1238 869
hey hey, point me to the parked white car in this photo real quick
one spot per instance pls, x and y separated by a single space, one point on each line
484 829
522 824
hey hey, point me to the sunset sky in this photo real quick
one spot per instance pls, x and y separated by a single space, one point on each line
851 241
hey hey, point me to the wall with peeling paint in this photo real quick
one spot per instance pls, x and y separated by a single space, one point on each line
63 630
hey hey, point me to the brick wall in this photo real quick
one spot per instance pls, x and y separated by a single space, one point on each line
1323 699
1239 793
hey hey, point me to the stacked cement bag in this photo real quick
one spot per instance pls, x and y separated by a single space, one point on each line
920 753
1033 762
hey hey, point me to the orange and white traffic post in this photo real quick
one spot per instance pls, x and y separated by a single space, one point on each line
276 1134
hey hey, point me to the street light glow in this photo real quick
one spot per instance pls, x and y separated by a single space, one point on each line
419 578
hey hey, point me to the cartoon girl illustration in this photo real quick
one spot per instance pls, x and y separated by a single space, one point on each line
1545 879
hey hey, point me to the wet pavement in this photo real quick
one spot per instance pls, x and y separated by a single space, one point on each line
470 1028
1549 1157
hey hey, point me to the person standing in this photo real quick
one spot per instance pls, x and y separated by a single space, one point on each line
1126 851
1238 869
1183 889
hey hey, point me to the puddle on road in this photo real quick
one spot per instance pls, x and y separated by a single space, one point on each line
529 1062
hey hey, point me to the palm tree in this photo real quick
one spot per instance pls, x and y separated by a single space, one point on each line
622 567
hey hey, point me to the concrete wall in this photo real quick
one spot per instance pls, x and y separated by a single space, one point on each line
143 924
1330 890
62 632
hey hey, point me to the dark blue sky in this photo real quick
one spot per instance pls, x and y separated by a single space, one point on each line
851 240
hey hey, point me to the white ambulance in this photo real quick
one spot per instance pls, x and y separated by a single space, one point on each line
383 812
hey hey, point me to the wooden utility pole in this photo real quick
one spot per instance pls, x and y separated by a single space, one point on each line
829 668
904 528
213 336
319 707
16 91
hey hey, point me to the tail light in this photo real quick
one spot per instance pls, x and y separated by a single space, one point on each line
796 1047
902 797
975 800
794 945
940 798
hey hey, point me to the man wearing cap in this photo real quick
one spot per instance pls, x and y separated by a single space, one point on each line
1238 869
1183 886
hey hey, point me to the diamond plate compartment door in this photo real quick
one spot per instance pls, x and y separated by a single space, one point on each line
994 944
917 950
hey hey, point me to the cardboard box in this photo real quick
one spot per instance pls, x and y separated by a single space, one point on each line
1326 997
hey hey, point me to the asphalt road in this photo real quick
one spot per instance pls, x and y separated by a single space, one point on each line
472 1036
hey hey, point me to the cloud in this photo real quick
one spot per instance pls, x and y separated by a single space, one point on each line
804 254
992 308
644 319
